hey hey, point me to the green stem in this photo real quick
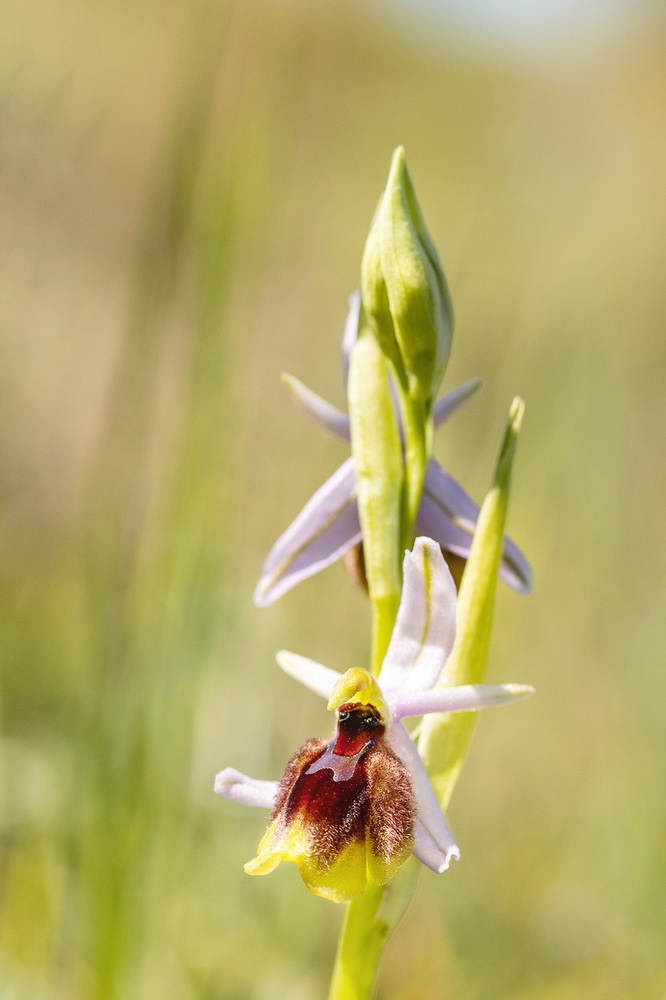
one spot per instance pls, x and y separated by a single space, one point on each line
418 433
360 948
369 923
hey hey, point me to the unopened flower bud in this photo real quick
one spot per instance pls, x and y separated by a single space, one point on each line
405 294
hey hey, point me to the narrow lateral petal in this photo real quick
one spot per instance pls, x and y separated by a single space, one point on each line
351 331
319 409
429 811
448 404
464 698
324 530
449 515
238 787
426 624
315 676
427 851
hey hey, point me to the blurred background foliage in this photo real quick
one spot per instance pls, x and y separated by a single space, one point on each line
186 189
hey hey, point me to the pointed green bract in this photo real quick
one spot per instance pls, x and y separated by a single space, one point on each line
379 479
444 739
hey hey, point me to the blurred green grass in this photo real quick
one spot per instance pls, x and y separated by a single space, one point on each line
185 196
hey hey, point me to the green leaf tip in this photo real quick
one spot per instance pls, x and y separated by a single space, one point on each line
516 412
509 441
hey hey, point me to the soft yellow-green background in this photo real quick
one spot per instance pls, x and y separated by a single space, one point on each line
186 188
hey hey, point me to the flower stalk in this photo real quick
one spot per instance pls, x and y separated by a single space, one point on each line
362 941
367 928
358 812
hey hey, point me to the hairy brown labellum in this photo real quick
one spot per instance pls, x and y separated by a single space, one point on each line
345 808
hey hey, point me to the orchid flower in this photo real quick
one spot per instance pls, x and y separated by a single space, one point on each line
353 808
328 526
